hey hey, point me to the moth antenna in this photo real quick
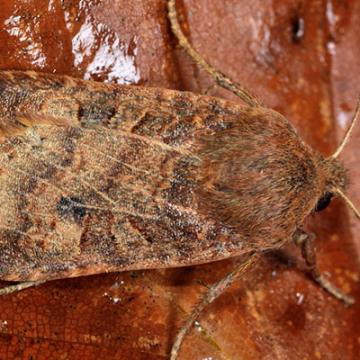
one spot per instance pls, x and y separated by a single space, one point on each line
349 203
348 132
219 77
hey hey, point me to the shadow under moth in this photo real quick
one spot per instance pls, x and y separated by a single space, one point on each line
100 177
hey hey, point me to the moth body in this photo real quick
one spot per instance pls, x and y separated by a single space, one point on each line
98 177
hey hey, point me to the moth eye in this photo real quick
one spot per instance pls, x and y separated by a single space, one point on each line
324 201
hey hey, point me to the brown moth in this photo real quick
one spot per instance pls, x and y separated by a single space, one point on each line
125 182
100 177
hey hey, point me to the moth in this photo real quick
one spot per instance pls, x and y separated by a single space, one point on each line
101 177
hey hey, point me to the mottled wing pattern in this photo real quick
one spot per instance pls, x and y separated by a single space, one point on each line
113 187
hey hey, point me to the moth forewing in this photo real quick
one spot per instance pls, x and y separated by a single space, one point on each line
114 188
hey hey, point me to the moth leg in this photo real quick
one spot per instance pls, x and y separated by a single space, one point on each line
212 293
306 243
219 77
20 286
209 89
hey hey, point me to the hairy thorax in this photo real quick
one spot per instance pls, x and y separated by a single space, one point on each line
259 178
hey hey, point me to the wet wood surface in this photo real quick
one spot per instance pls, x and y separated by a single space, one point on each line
301 58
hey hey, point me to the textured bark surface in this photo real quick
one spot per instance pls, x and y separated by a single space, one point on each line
301 58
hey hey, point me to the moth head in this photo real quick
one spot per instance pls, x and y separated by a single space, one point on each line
335 174
324 201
